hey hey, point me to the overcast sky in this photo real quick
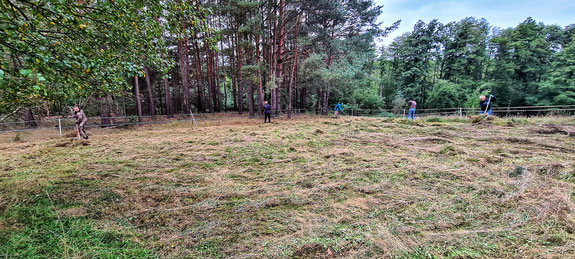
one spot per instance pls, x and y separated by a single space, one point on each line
501 13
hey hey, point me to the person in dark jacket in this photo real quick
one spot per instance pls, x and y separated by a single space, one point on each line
81 120
485 104
267 112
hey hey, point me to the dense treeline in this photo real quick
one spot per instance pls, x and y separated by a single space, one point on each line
450 65
173 56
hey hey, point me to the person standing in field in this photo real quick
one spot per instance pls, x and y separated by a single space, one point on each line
81 120
485 104
337 109
267 112
412 105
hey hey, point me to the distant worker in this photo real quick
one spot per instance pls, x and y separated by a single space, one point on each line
485 104
80 121
337 109
412 105
267 112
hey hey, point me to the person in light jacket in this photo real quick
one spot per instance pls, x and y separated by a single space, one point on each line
81 120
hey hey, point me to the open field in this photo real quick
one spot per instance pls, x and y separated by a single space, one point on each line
311 187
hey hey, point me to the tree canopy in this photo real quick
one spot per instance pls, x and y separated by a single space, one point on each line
212 56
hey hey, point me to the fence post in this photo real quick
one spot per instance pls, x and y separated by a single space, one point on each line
351 112
460 113
403 113
60 126
193 119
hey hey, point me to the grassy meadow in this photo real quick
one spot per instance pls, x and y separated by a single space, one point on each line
305 188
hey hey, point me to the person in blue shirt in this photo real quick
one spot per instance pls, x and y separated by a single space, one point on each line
337 109
485 104
267 112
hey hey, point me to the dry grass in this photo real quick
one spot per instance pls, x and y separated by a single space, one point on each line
348 187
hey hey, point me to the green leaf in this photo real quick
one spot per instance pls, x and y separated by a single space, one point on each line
25 72
36 88
1 74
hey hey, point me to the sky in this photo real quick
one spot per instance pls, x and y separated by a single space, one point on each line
502 13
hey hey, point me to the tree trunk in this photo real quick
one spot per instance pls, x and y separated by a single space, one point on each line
260 86
233 74
292 76
160 99
167 97
138 102
152 105
273 98
318 105
291 84
249 57
240 88
325 100
218 97
184 72
104 112
210 102
273 60
29 118
123 104
281 42
303 100
199 84
225 102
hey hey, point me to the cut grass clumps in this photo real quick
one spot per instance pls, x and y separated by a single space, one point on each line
388 115
308 187
435 119
448 150
17 138
517 171
520 121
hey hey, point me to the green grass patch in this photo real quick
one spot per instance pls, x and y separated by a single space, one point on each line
39 232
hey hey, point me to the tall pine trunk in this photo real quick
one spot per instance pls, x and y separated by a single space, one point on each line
138 102
218 98
168 99
303 98
199 84
291 83
318 105
292 76
239 66
184 72
325 100
281 42
225 102
152 105
273 61
210 102
233 74
250 94
260 86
